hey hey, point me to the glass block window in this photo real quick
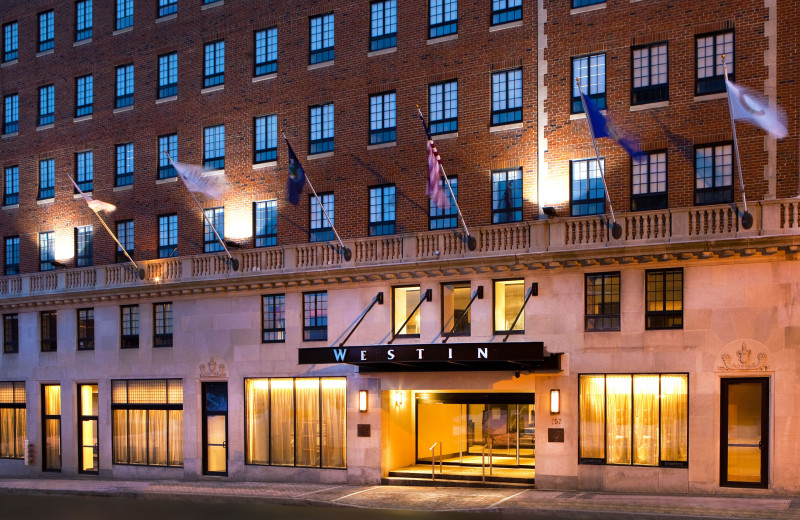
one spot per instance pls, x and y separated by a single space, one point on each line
11 114
587 194
382 210
214 64
507 196
444 218
124 95
443 107
124 171
709 49
129 326
125 235
10 41
650 77
383 25
649 181
167 236
507 97
47 105
273 318
83 20
321 128
315 316
443 18
213 217
602 302
382 118
320 229
124 18
84 246
162 324
46 31
84 170
11 256
84 96
265 221
214 147
168 75
47 179
321 38
266 139
592 72
713 173
504 11
266 51
11 186
167 7
167 143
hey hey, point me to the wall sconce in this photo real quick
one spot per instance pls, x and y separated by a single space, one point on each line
362 400
398 399
555 401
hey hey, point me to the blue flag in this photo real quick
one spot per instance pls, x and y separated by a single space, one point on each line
602 127
297 177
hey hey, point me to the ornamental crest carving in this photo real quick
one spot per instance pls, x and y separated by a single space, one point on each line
743 359
212 369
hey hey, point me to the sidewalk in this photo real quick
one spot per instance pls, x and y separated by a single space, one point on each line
532 503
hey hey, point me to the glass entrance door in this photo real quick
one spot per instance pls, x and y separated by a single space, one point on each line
215 428
743 439
87 429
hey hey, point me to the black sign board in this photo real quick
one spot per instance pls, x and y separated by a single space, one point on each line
555 435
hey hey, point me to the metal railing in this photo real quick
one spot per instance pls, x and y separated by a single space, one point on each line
483 460
432 449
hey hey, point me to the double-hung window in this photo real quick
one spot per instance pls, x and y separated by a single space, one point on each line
11 186
664 299
443 107
504 11
383 25
84 246
602 302
214 220
273 318
214 64
587 194
84 95
126 238
266 51
167 7
47 251
507 97
162 324
591 71
124 172
11 114
12 419
84 171
85 329
124 91
321 128
10 41
47 179
124 17
167 236
315 316
11 256
444 217
320 228
649 181
443 18
266 139
48 330
383 118
47 105
713 174
46 31
650 78
167 143
129 326
321 38
382 210
507 196
83 20
10 333
168 75
214 147
709 49
265 221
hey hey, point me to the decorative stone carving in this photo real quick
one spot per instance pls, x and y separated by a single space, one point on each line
743 360
211 369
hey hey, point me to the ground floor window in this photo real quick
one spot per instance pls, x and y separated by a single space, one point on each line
12 419
638 419
296 422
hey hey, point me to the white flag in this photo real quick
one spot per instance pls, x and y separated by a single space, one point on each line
746 106
94 204
192 175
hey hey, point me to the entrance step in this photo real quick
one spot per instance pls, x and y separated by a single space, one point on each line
454 482
461 478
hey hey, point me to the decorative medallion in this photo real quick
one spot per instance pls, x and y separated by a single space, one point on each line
743 360
211 369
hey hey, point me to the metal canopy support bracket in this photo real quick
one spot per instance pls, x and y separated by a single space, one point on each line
377 299
533 292
478 294
428 296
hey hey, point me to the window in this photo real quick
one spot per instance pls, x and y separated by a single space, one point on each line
124 171
381 211
167 143
167 7
649 181
321 128
315 316
443 107
664 299
638 419
46 251
167 236
12 419
10 41
265 219
84 171
713 174
124 96
129 326
84 95
213 217
125 236
404 301
11 114
124 14
11 186
584 3
504 11
444 218
320 228
507 97
266 51
587 196
296 422
443 18
456 317
88 449
266 139
709 49
506 196
321 38
214 68
83 20
46 179
650 80
12 256
47 105
10 334
84 250
167 75
592 72
383 25
51 427
85 329
46 31
382 118
147 422
273 318
509 296
49 331
214 147
602 302
162 324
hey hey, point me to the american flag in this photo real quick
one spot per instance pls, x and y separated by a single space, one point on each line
434 188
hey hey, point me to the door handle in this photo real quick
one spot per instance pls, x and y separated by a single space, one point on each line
760 445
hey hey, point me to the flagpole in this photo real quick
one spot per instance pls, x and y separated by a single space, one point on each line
616 229
471 242
233 261
747 218
139 270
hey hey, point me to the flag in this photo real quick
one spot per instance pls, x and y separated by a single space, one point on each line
746 106
192 175
297 177
602 127
94 204
434 188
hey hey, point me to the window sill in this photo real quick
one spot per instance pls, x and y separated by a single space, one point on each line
322 65
9 136
10 206
442 137
82 42
123 188
167 18
503 128
381 145
263 165
649 106
212 5
166 99
45 53
123 109
8 63
82 118
42 202
509 25
79 196
122 31
45 127
381 52
587 9
709 97
213 172
212 89
315 156
442 39
265 77
167 180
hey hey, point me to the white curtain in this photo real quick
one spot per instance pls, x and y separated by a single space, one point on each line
176 438
21 432
282 406
592 416
120 433
257 421
137 438
618 419
157 437
334 433
7 432
645 420
307 421
674 418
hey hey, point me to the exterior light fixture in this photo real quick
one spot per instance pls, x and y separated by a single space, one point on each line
555 401
398 398
362 400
